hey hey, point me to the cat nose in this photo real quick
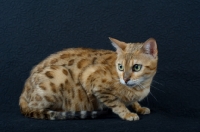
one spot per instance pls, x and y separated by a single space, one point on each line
126 77
126 80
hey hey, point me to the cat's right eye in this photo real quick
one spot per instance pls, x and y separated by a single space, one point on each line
120 67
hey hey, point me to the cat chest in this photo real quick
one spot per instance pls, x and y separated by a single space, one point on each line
137 96
143 94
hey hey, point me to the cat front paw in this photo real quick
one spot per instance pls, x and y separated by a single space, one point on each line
131 117
143 111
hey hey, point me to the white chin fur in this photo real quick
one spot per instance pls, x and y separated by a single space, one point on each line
122 81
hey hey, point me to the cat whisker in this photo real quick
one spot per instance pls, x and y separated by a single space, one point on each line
158 83
142 87
153 96
148 100
139 86
157 89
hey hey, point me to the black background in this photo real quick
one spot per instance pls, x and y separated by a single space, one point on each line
30 30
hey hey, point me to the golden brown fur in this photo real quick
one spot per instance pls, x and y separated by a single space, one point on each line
86 80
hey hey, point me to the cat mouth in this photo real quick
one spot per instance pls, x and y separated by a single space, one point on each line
135 86
130 85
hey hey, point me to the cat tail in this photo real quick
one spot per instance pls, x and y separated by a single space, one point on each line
57 115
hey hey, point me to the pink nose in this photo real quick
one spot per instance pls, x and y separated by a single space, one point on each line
126 79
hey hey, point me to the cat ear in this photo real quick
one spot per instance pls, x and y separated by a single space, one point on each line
150 47
119 45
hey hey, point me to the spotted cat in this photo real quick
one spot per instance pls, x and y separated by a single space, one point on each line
80 82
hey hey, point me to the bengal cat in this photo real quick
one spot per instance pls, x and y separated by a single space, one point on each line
79 82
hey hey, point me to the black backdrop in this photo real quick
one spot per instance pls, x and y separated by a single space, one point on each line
30 30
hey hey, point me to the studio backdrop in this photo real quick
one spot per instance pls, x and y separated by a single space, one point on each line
31 30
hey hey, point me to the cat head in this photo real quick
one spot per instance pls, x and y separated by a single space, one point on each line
136 62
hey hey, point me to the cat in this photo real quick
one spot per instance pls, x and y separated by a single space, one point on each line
80 82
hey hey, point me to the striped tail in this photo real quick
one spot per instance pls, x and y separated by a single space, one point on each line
56 115
76 115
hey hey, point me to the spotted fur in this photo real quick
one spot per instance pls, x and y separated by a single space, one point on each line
80 82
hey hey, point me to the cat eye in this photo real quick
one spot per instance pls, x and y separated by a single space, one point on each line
136 67
120 67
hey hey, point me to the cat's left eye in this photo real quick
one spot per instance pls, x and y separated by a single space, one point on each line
136 67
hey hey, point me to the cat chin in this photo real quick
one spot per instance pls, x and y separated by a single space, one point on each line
128 85
131 85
